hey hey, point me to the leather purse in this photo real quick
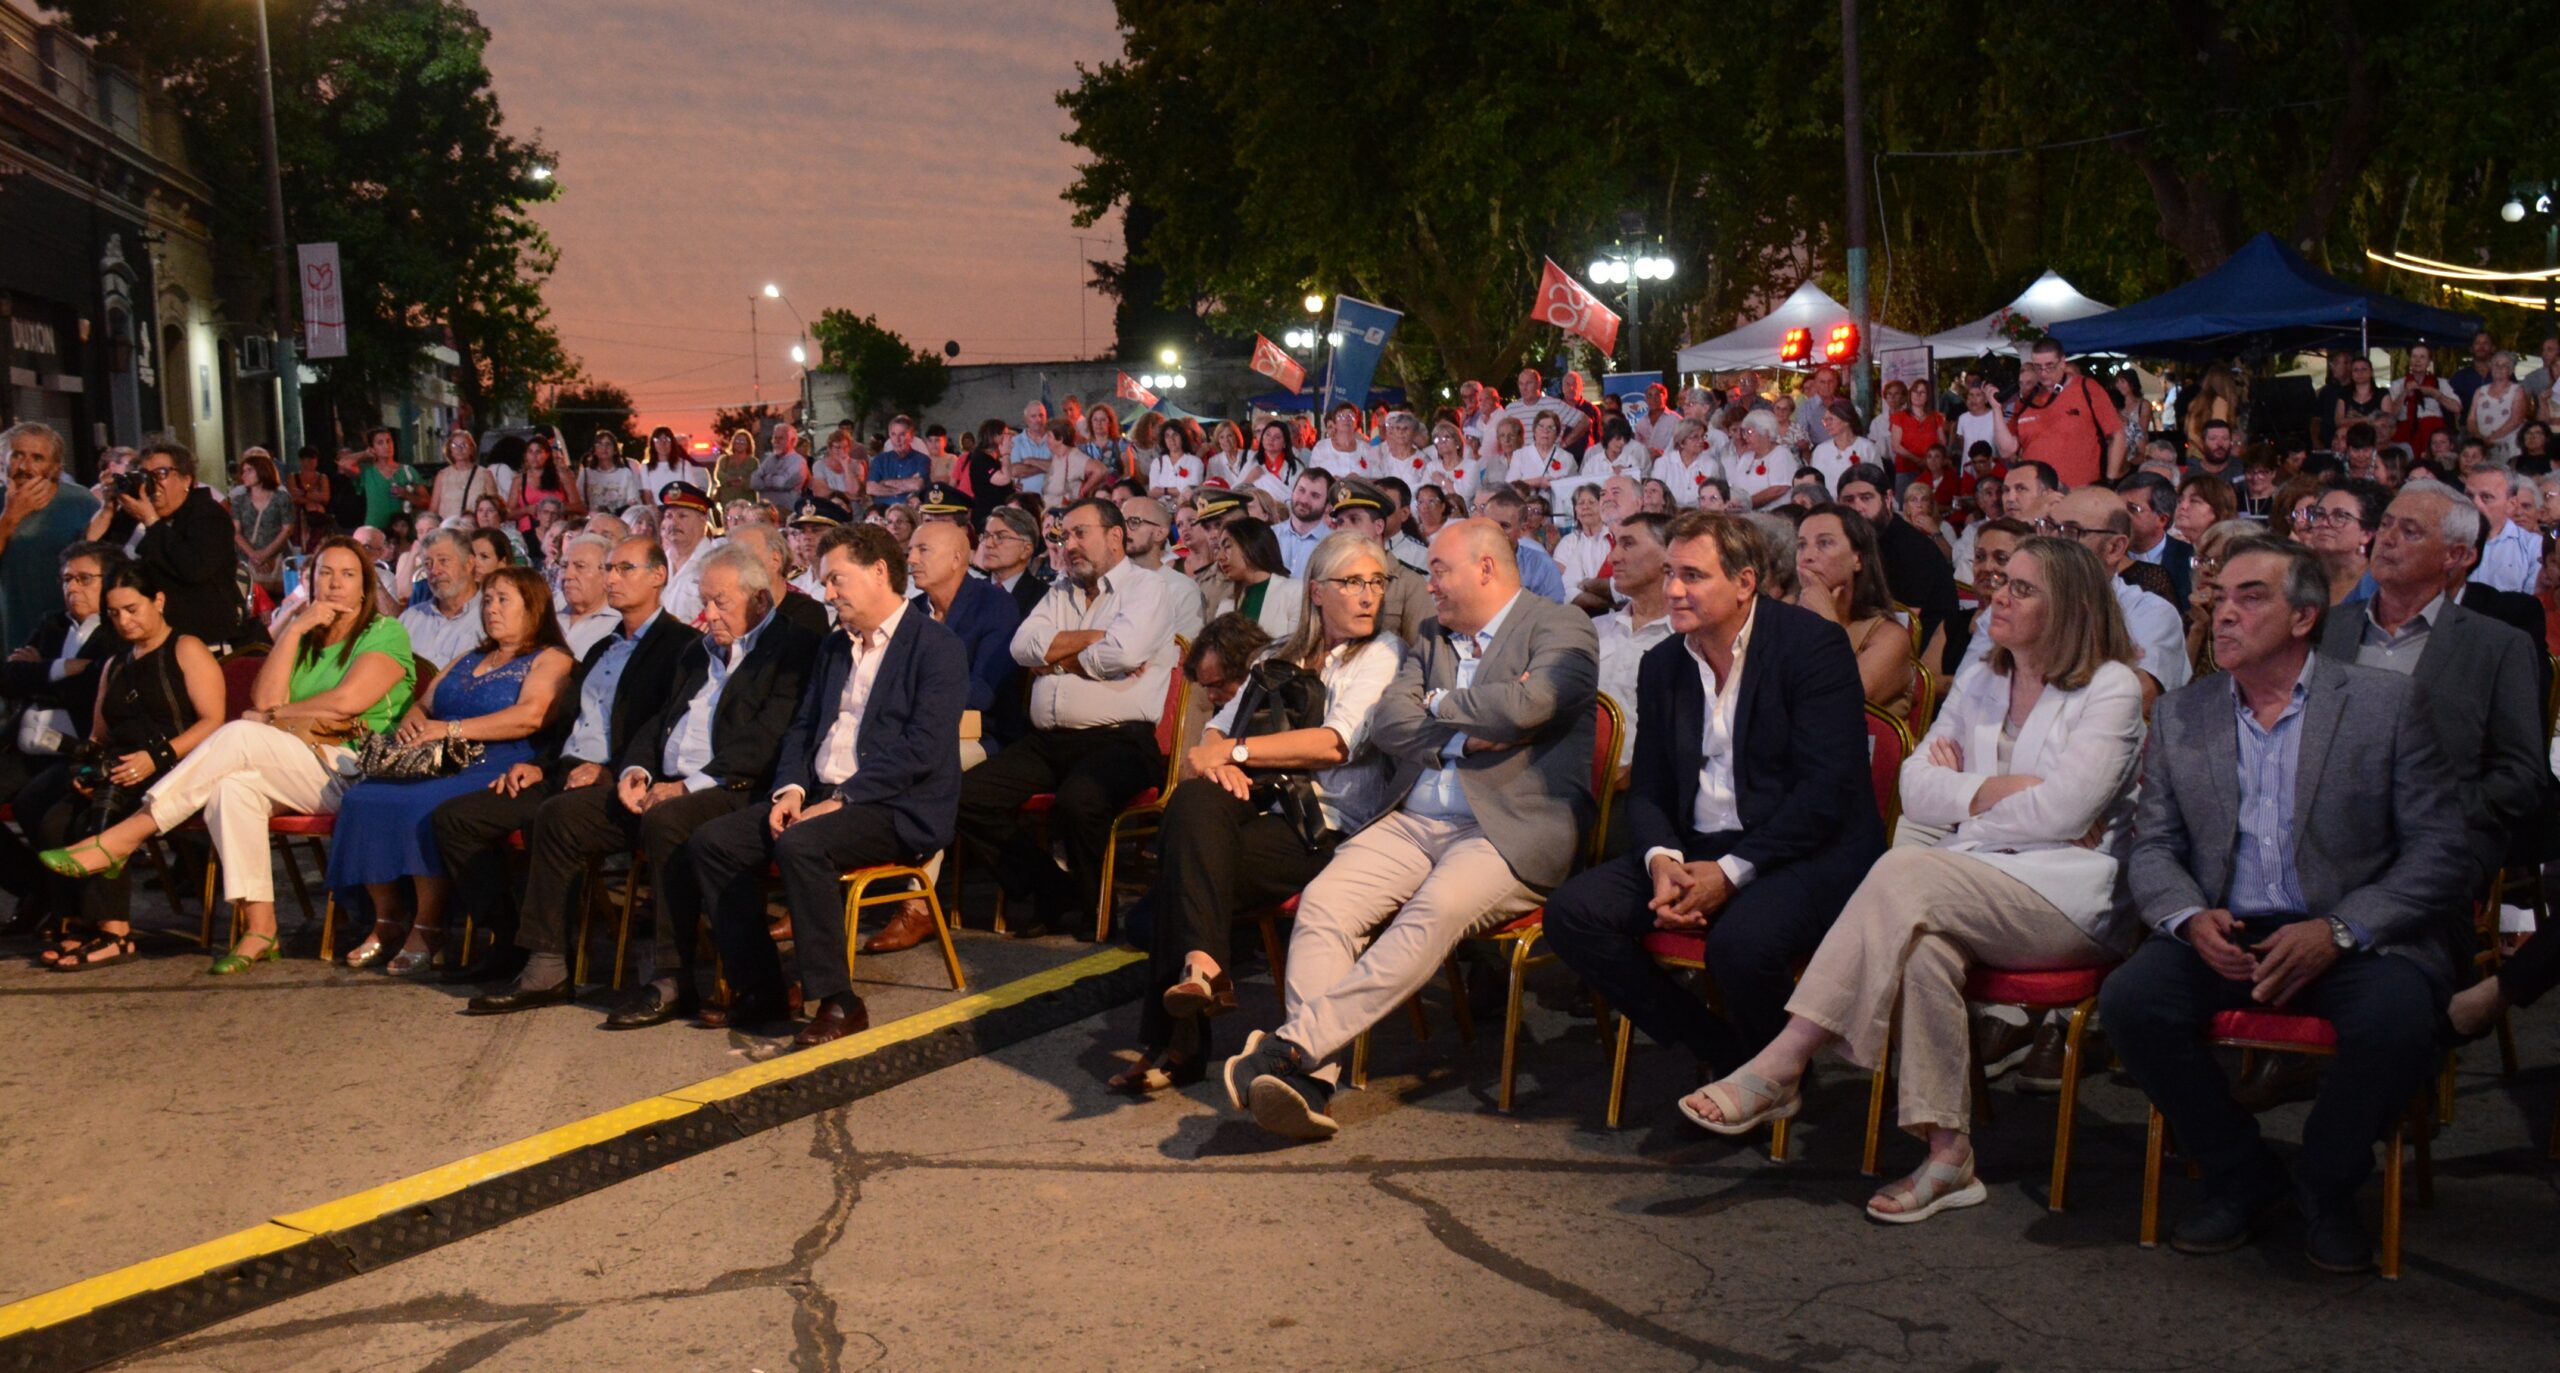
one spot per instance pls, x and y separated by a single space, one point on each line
382 760
1279 696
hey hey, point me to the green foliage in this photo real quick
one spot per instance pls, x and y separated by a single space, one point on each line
582 409
882 373
755 419
392 146
1427 159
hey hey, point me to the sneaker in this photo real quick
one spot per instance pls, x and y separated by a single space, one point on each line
1264 1056
2000 1044
1292 1105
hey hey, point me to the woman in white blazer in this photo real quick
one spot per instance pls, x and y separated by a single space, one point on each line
2023 798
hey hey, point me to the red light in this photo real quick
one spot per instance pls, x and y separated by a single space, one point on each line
1842 346
1796 346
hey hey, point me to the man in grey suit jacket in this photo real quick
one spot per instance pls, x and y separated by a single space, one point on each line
2476 675
2299 848
1489 724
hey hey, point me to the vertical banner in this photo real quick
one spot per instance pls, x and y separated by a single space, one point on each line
1365 329
1277 365
324 302
1564 303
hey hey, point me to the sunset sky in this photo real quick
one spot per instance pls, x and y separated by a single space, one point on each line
894 157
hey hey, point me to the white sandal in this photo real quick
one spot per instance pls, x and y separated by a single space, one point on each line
1739 1086
1936 1187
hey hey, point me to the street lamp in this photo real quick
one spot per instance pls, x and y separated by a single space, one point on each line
1168 356
1619 267
1314 302
799 350
2534 199
1299 338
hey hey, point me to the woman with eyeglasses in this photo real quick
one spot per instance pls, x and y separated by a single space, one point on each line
1462 472
1237 833
2027 780
1259 586
2338 526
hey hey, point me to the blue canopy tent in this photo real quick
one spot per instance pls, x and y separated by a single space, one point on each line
2265 299
1283 403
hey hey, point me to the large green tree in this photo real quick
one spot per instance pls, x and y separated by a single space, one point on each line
881 371
393 147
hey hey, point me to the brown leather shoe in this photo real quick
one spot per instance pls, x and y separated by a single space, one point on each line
741 1013
831 1024
912 925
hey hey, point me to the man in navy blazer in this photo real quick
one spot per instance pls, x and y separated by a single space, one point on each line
1751 816
869 774
984 617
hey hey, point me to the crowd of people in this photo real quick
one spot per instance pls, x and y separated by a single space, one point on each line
2250 720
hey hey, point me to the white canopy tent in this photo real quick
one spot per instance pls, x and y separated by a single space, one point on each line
1756 344
2047 301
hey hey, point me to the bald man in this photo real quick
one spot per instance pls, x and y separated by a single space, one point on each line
1488 727
983 615
1150 531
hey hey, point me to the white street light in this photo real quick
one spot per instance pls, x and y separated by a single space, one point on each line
2512 212
772 292
1334 338
1180 381
540 172
799 355
1315 303
1167 356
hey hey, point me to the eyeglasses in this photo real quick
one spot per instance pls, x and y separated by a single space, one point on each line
2067 529
1353 586
2312 517
625 568
80 578
1144 524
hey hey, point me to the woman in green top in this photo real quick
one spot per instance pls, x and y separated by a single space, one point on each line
338 661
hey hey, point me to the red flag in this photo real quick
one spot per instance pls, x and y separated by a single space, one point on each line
1131 390
1277 365
1564 303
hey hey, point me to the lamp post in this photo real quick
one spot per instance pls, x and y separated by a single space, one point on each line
1632 269
2536 200
288 358
799 350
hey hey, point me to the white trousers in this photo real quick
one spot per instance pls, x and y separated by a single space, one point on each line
243 774
1429 883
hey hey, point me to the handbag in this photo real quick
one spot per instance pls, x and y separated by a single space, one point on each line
1279 696
381 759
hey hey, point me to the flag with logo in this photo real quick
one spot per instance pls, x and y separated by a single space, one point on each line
1277 365
1131 390
1564 303
324 302
1364 329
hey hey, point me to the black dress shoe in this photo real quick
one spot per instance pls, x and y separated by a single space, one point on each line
647 1009
500 964
2224 1223
2333 1239
520 999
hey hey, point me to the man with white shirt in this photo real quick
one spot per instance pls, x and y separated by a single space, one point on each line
869 775
1661 427
1310 496
2512 559
446 625
1980 422
584 617
1150 531
2096 518
684 526
1534 401
1750 816
1636 566
1100 650
1479 409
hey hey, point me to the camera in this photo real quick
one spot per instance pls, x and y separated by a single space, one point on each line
136 482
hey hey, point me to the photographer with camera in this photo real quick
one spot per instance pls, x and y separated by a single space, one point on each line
157 698
182 535
1284 772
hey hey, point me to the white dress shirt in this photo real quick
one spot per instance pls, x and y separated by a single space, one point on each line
2159 632
1580 555
1554 464
1126 670
836 759
683 597
1352 792
1718 807
1177 474
1182 600
1441 794
586 631
1623 643
1341 462
688 750
1687 480
443 639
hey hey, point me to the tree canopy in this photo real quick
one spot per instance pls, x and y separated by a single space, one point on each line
881 371
392 146
1429 162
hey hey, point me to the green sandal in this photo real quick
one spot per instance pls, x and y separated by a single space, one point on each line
61 862
232 962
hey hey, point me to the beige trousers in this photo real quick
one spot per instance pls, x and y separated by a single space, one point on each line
973 751
239 776
1920 921
1429 884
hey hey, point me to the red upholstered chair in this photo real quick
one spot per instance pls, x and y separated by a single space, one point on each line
1888 744
1145 811
2074 990
2286 1032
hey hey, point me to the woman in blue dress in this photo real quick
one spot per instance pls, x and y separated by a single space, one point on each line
499 695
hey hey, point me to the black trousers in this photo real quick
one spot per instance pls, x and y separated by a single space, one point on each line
1094 772
2531 972
1220 858
20 874
2386 1010
729 857
471 832
1596 923
53 814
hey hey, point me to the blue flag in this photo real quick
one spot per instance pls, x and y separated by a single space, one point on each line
1047 402
1365 329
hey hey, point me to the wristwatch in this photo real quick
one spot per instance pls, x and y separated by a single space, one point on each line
1237 754
2341 936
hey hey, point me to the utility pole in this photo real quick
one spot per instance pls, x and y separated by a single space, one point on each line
755 353
1853 123
288 358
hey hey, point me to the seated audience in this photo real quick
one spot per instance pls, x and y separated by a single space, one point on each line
54 676
2097 520
2027 776
1100 650
1257 583
447 624
1637 566
1150 539
173 526
2337 526
2298 847
978 611
1750 816
586 615
1488 725
1509 509
1840 577
869 774
337 666
1266 796
1917 572
1363 508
